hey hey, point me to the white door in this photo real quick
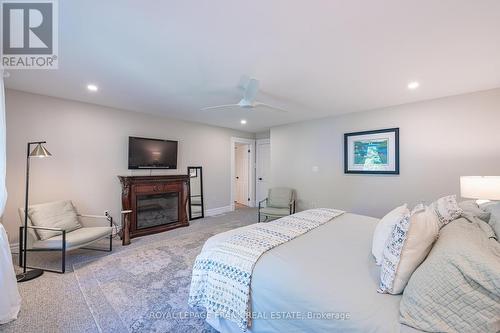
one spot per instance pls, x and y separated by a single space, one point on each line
241 174
263 168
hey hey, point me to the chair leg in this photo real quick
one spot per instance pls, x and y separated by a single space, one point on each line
63 262
21 247
110 236
63 270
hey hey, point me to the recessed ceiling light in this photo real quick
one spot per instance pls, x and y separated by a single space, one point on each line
243 121
92 87
413 85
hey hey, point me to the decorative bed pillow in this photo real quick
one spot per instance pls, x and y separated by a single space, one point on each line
471 207
456 289
410 242
59 214
494 209
447 209
384 229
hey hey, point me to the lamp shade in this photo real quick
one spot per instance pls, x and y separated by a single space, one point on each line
40 151
479 187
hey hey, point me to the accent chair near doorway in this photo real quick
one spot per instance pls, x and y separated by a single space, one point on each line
280 202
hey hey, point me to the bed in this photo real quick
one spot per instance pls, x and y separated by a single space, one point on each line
327 272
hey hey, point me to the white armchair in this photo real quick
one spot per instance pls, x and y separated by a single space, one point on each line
280 202
45 237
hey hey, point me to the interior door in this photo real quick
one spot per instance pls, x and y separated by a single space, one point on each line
263 168
241 174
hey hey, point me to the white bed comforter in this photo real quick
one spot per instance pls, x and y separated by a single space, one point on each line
222 274
324 281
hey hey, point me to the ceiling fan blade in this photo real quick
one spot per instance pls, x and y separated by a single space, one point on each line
225 106
244 79
272 107
251 90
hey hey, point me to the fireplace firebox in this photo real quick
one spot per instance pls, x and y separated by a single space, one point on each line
157 209
158 203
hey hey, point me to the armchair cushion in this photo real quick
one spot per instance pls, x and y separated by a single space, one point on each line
280 197
76 238
271 211
59 214
32 235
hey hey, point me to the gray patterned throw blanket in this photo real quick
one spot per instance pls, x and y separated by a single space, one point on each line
222 274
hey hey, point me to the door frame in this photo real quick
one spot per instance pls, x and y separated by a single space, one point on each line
260 141
251 170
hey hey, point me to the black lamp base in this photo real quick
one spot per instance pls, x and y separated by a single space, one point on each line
29 275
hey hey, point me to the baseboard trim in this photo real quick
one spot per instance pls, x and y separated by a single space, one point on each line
218 210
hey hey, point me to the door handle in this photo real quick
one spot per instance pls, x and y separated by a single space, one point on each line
237 177
260 178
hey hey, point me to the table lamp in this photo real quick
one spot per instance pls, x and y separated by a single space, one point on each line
482 188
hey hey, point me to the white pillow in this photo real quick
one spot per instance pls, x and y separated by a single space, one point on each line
493 207
470 207
384 229
410 242
447 209
59 214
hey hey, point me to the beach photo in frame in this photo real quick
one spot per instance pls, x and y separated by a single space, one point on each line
372 152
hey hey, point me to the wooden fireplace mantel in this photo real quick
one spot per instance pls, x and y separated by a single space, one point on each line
133 186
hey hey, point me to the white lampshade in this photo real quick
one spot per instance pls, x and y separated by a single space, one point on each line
479 187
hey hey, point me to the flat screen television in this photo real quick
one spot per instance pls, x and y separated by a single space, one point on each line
146 153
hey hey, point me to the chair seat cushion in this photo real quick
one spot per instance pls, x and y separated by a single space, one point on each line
74 239
271 211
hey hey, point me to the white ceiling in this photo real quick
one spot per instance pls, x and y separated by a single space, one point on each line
315 58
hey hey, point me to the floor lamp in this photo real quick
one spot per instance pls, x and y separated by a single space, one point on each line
39 152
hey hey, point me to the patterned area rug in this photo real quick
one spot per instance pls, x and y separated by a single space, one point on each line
146 289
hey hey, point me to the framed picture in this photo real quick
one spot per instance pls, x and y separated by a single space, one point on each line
372 152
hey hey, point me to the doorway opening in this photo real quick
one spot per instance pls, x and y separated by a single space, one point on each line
242 173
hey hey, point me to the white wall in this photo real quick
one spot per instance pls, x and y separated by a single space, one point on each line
89 144
440 140
263 135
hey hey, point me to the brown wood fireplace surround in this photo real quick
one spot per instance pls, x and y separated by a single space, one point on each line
158 203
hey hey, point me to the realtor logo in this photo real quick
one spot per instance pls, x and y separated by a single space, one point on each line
29 34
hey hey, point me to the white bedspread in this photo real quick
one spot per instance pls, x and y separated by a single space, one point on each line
328 273
222 274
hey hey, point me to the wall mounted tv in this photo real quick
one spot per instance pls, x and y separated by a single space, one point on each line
146 153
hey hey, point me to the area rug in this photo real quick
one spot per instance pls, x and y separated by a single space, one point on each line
145 289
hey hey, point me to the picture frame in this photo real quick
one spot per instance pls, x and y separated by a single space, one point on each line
372 152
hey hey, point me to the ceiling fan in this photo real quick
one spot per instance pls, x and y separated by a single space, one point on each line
250 87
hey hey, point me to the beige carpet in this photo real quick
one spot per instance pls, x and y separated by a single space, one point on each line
55 303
